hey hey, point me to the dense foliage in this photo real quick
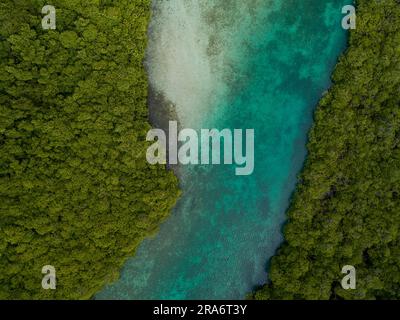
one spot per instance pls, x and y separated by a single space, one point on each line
346 210
76 191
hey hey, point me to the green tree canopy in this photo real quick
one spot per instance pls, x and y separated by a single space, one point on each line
76 191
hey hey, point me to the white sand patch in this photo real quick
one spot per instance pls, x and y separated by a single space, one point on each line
178 64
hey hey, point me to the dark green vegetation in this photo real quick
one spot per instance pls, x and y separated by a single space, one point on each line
76 191
346 210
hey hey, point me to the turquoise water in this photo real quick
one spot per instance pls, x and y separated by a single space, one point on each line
235 64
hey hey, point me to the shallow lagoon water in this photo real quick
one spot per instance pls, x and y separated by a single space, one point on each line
255 64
